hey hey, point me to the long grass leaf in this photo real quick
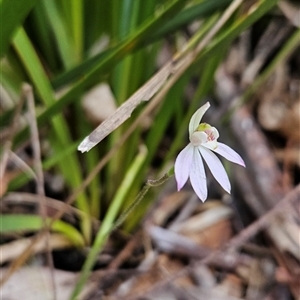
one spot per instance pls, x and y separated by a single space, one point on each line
64 42
16 223
13 13
109 219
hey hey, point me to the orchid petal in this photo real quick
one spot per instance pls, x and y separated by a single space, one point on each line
182 166
216 168
197 116
229 154
198 177
212 145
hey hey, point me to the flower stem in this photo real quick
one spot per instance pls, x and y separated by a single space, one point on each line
139 198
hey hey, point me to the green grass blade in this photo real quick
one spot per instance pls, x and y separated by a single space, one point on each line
109 220
77 13
14 223
61 33
43 38
202 10
13 13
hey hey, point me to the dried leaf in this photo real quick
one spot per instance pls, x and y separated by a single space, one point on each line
14 249
34 283
125 110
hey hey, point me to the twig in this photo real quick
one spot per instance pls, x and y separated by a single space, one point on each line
12 130
292 12
172 242
273 36
22 165
126 251
39 176
36 148
16 198
11 250
268 177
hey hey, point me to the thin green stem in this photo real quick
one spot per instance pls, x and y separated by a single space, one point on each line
138 199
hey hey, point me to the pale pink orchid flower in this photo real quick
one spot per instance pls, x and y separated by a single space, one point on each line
189 164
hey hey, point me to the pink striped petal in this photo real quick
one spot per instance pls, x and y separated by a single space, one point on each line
216 168
197 116
198 177
182 166
229 154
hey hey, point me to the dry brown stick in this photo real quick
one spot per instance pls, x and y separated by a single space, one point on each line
271 39
262 164
27 93
237 241
35 143
126 251
55 205
171 242
22 258
37 163
263 221
11 250
22 165
291 12
8 143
